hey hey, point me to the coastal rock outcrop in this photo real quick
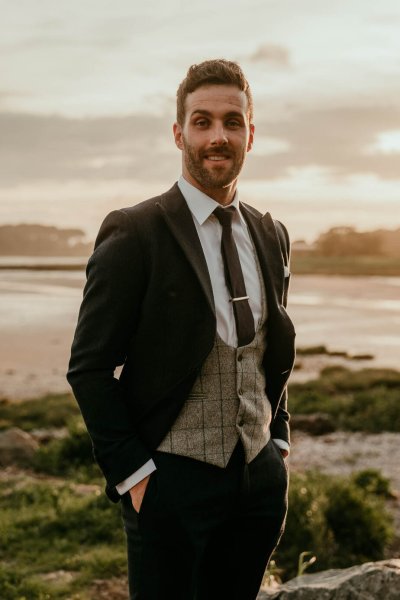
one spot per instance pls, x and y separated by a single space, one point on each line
370 581
17 447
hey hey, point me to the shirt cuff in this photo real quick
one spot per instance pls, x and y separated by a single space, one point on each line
281 444
137 476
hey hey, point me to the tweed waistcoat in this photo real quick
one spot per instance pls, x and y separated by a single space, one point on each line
227 402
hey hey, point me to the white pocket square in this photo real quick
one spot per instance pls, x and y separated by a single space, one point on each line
286 271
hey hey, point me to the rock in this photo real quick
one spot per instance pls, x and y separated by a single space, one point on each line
59 577
370 581
17 447
45 436
112 588
315 424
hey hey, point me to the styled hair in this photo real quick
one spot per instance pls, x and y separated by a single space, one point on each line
212 72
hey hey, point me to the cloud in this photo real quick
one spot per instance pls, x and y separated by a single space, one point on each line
34 147
342 141
271 54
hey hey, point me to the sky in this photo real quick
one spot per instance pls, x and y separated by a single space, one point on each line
87 102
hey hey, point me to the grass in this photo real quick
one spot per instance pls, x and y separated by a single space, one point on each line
345 265
59 537
324 351
50 411
57 542
49 527
71 456
364 400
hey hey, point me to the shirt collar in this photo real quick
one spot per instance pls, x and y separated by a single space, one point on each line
201 206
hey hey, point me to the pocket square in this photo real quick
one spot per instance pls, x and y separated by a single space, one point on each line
286 271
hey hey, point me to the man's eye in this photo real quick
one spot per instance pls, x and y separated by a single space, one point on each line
201 123
233 124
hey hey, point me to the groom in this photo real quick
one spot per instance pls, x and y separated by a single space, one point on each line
188 291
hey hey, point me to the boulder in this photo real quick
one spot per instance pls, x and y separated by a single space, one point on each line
315 424
370 581
17 447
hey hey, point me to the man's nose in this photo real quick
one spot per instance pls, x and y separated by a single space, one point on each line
218 135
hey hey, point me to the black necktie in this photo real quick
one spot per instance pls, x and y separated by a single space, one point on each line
234 278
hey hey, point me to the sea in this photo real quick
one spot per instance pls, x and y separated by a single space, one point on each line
39 308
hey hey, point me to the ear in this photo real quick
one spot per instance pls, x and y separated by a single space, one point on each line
177 129
251 137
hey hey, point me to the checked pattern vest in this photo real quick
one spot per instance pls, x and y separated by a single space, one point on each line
227 403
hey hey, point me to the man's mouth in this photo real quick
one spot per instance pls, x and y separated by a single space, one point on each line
216 158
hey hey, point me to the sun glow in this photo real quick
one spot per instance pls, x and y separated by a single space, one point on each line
387 142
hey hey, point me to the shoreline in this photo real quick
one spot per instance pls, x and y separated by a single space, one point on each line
39 311
357 266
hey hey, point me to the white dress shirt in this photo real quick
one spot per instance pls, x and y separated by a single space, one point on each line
209 231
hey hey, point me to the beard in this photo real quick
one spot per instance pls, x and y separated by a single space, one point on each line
215 176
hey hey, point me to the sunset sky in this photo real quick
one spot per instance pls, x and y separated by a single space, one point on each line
87 101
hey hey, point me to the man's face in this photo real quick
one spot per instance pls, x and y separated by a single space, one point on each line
215 137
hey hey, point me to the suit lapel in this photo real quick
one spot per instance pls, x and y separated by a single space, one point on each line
269 254
180 222
262 228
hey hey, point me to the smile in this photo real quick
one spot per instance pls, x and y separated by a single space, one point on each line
216 157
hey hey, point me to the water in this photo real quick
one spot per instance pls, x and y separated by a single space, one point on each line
38 312
358 314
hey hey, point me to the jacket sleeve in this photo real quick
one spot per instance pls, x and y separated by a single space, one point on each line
280 427
284 242
107 319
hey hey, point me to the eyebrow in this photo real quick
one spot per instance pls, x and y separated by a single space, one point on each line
207 113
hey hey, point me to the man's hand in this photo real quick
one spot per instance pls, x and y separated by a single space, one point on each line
137 493
284 453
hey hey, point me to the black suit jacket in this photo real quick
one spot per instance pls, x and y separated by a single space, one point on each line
148 305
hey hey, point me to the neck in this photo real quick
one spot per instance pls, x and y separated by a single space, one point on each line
223 196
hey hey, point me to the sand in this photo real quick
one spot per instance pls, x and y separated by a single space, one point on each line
38 314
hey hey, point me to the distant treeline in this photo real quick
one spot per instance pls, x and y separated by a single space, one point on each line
347 241
46 240
42 240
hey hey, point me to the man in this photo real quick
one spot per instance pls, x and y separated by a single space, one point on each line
187 291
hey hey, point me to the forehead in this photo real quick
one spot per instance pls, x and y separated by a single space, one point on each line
216 99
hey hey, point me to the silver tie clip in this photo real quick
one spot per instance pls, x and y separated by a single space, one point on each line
240 298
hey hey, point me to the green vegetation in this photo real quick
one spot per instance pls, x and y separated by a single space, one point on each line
339 520
364 400
50 527
60 534
46 412
70 456
347 241
315 264
346 251
323 350
58 526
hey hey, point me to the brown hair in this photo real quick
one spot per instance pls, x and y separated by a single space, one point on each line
212 72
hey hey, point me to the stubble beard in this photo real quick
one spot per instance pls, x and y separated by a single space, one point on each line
212 178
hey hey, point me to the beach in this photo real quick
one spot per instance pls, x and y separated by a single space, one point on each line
39 309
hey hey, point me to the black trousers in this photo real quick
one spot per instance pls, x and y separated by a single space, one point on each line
206 533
